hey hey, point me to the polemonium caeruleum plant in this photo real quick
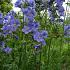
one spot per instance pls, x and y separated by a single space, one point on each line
32 26
58 9
9 24
22 37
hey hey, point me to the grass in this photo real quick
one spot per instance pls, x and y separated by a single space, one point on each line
54 56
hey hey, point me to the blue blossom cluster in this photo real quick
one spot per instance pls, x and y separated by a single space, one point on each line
32 26
52 18
5 49
67 30
9 24
59 9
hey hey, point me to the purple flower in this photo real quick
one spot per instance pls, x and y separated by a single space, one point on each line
29 13
5 20
2 44
1 21
16 37
37 46
34 26
17 22
11 13
8 18
48 1
31 3
7 50
18 3
9 28
14 21
26 29
60 9
43 43
1 15
66 27
50 14
10 23
31 27
60 2
44 33
67 30
1 18
38 37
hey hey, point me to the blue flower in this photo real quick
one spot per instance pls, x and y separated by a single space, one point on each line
60 2
44 33
26 29
2 44
67 30
48 1
31 3
38 37
17 22
11 13
5 20
16 37
18 3
7 50
10 23
34 25
1 15
8 18
1 18
1 21
29 13
9 28
37 46
43 43
50 14
31 27
60 9
14 21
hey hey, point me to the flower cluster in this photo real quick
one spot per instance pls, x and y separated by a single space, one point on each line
32 26
8 24
7 50
59 10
